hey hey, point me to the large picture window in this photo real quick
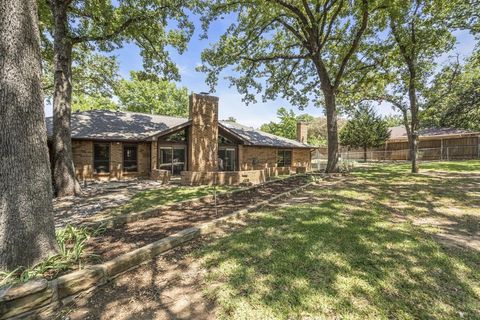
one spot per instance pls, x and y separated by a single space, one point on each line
130 162
284 158
101 157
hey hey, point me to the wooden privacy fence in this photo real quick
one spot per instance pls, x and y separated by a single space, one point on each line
463 152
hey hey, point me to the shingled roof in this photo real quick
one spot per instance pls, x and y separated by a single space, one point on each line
133 126
400 133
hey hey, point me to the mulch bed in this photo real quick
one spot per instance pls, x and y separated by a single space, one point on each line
136 234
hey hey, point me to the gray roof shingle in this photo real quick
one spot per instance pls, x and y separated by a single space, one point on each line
260 138
399 132
119 125
115 125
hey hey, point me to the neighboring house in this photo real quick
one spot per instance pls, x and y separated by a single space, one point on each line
435 143
118 145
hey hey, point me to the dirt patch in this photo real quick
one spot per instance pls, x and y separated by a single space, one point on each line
130 236
169 287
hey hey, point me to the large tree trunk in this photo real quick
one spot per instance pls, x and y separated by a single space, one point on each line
27 233
365 154
414 122
66 184
332 130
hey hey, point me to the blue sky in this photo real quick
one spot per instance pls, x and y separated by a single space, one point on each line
230 101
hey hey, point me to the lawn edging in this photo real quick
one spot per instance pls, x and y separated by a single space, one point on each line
125 218
38 299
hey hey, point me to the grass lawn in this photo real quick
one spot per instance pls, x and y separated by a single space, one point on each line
157 197
383 244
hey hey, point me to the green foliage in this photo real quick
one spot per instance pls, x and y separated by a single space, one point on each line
105 25
287 48
149 94
454 97
393 120
364 130
71 242
287 126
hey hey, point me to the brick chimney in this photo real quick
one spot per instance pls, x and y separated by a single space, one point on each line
203 133
302 131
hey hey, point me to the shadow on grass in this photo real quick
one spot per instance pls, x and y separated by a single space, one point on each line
334 254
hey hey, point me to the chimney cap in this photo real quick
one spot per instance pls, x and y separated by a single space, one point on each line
203 93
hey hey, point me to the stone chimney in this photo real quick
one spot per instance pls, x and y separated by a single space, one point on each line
302 131
203 133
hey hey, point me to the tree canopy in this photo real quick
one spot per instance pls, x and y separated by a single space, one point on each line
453 100
149 94
302 51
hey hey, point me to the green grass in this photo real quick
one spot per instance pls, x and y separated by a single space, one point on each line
157 197
356 251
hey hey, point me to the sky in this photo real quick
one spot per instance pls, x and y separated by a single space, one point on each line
230 101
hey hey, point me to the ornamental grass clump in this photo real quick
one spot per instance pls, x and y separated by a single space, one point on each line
71 243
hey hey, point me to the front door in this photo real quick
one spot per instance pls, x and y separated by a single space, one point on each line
172 159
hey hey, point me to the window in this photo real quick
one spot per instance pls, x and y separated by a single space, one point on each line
101 157
224 140
284 158
172 159
226 159
179 136
130 163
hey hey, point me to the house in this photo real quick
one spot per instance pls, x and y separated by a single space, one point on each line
434 144
201 149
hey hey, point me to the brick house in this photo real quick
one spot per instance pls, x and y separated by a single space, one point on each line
201 149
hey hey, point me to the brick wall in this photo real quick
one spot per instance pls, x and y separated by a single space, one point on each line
83 161
248 177
255 158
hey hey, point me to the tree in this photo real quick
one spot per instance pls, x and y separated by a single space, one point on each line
365 130
417 34
27 233
302 51
454 99
105 25
95 77
149 94
287 126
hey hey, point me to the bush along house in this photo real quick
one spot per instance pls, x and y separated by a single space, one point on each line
201 149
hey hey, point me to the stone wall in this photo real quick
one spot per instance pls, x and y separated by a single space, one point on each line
83 161
203 133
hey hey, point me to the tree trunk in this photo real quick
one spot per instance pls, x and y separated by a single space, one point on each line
27 233
66 184
414 122
332 130
414 152
365 154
